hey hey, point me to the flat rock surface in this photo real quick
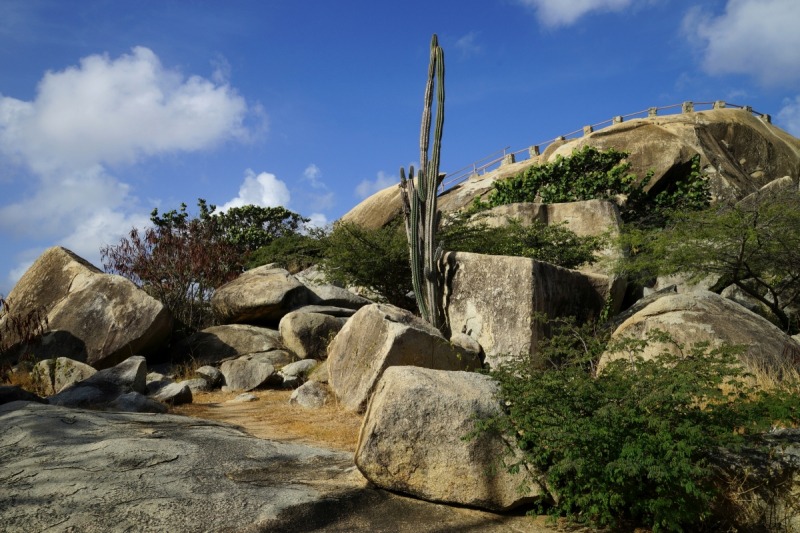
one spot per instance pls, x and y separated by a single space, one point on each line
74 470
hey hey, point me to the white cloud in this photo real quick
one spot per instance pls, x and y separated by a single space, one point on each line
264 190
566 12
755 37
312 173
789 116
106 112
318 220
367 188
466 45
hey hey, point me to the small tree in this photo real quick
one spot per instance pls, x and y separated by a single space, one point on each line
754 245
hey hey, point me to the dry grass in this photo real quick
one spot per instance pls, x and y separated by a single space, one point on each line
271 417
24 380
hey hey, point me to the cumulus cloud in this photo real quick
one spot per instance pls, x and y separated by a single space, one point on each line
367 188
264 190
88 118
467 46
566 12
318 220
755 37
789 116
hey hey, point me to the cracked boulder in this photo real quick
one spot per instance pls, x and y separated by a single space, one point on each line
411 440
94 318
380 336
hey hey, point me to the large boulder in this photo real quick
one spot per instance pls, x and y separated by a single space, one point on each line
411 440
105 386
259 296
586 218
381 336
95 318
218 343
307 335
247 375
492 299
741 154
53 376
706 316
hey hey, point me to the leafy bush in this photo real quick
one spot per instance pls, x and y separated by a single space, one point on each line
629 442
555 244
250 227
591 174
179 262
754 245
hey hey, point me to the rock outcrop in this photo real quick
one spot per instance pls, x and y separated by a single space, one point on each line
247 375
307 334
424 453
54 377
262 295
492 299
95 318
218 343
706 316
380 336
105 386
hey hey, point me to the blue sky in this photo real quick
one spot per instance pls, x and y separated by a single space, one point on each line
111 108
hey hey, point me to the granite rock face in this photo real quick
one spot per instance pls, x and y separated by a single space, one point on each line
381 336
94 318
424 454
492 299
262 295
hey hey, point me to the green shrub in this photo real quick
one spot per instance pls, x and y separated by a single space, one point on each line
630 442
590 174
293 252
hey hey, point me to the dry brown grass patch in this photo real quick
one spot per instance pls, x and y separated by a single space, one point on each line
271 417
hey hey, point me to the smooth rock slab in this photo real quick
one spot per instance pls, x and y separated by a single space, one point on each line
411 440
380 336
247 375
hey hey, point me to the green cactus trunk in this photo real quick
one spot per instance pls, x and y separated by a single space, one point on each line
420 211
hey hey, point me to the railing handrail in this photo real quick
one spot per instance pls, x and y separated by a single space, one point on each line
686 107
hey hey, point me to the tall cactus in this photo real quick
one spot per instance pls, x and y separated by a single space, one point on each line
421 214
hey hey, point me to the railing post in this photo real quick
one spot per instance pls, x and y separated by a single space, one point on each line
617 120
767 119
533 151
748 108
587 130
652 112
688 107
719 104
561 138
507 160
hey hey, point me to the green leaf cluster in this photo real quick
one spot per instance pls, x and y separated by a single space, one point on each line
590 174
630 442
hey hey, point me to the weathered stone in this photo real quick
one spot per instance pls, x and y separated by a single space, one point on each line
133 402
174 393
467 344
10 393
320 373
260 295
587 218
705 316
307 335
298 368
492 299
311 395
246 375
55 377
218 343
425 454
275 358
95 318
245 397
105 386
196 385
212 375
339 312
380 336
